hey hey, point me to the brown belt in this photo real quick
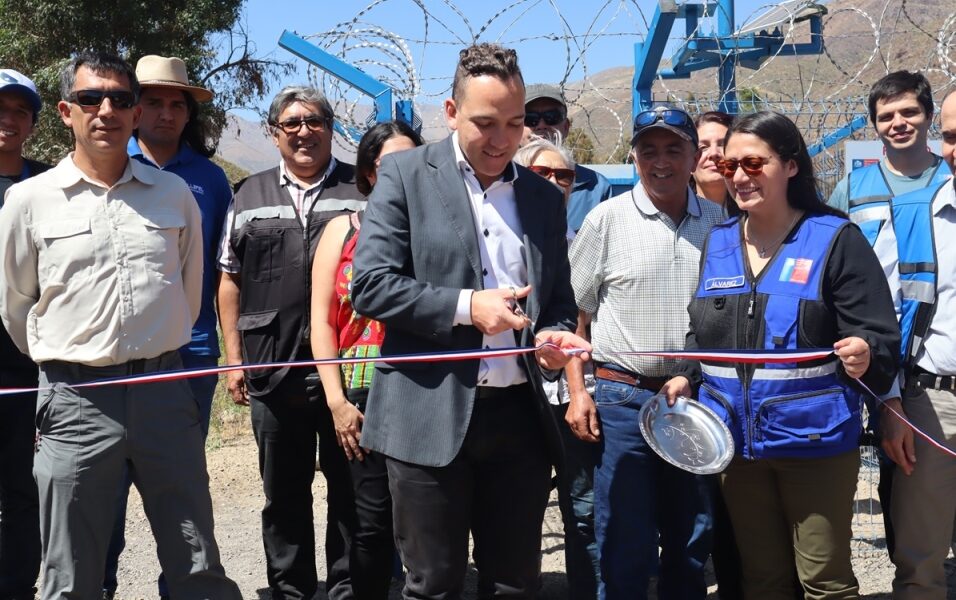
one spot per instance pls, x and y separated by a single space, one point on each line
647 383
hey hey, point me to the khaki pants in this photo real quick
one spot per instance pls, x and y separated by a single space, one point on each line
794 516
924 503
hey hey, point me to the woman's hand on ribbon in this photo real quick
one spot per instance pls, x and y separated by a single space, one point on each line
854 352
897 436
552 345
348 427
674 387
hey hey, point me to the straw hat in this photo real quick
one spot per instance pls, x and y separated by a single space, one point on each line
160 71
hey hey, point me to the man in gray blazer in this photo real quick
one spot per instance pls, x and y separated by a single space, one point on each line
460 248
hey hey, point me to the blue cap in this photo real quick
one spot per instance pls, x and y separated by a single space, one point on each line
15 81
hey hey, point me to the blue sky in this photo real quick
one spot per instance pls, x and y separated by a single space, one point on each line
604 32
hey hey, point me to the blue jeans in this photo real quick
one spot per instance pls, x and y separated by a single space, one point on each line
576 500
641 501
203 389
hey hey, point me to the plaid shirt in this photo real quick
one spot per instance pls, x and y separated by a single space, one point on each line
634 271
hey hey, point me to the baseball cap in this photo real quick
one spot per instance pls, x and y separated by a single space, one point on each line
15 81
668 118
544 90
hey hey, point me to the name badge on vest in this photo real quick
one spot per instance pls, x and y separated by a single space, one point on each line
724 283
796 270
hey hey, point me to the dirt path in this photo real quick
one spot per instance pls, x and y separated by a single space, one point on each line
237 498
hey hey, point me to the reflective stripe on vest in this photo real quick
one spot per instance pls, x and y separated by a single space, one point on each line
779 410
912 216
869 195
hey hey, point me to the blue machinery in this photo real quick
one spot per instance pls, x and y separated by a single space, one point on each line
748 48
380 93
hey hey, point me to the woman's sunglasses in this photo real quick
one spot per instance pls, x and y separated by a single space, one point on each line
752 165
564 177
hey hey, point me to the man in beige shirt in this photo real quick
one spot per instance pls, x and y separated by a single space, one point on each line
102 277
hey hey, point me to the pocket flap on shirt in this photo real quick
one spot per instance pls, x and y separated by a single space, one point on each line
63 229
164 220
255 320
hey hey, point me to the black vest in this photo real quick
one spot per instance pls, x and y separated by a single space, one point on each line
276 252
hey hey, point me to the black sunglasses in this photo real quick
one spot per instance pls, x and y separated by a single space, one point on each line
551 117
118 99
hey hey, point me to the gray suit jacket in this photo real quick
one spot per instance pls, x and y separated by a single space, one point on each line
417 250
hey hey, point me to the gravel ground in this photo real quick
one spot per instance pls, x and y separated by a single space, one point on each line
237 498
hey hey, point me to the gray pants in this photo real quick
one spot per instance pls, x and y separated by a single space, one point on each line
88 437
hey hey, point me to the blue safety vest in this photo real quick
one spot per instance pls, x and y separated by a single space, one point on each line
800 410
912 216
870 193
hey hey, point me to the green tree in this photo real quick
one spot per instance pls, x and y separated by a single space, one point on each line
581 145
38 36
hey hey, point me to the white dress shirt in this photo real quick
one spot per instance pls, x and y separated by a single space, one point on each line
938 354
500 243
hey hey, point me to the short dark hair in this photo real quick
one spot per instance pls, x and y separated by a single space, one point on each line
484 59
783 137
100 63
898 83
370 146
714 116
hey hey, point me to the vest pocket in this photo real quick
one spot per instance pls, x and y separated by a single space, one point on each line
260 330
806 421
716 402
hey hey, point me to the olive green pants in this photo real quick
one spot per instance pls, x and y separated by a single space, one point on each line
791 516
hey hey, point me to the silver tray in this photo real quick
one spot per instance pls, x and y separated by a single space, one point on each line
688 435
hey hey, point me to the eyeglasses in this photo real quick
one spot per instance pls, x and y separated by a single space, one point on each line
551 117
564 177
118 99
312 123
752 165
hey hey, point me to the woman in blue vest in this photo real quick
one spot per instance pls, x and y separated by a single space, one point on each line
789 272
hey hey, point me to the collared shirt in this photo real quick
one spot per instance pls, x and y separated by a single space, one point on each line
502 260
100 276
211 189
634 271
303 198
938 354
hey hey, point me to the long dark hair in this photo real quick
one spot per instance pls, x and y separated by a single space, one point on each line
782 135
370 147
196 132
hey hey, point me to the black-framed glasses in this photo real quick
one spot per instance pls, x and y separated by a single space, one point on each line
313 123
551 117
564 177
670 116
752 165
118 98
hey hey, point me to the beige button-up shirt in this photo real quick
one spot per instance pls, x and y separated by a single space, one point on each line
96 275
